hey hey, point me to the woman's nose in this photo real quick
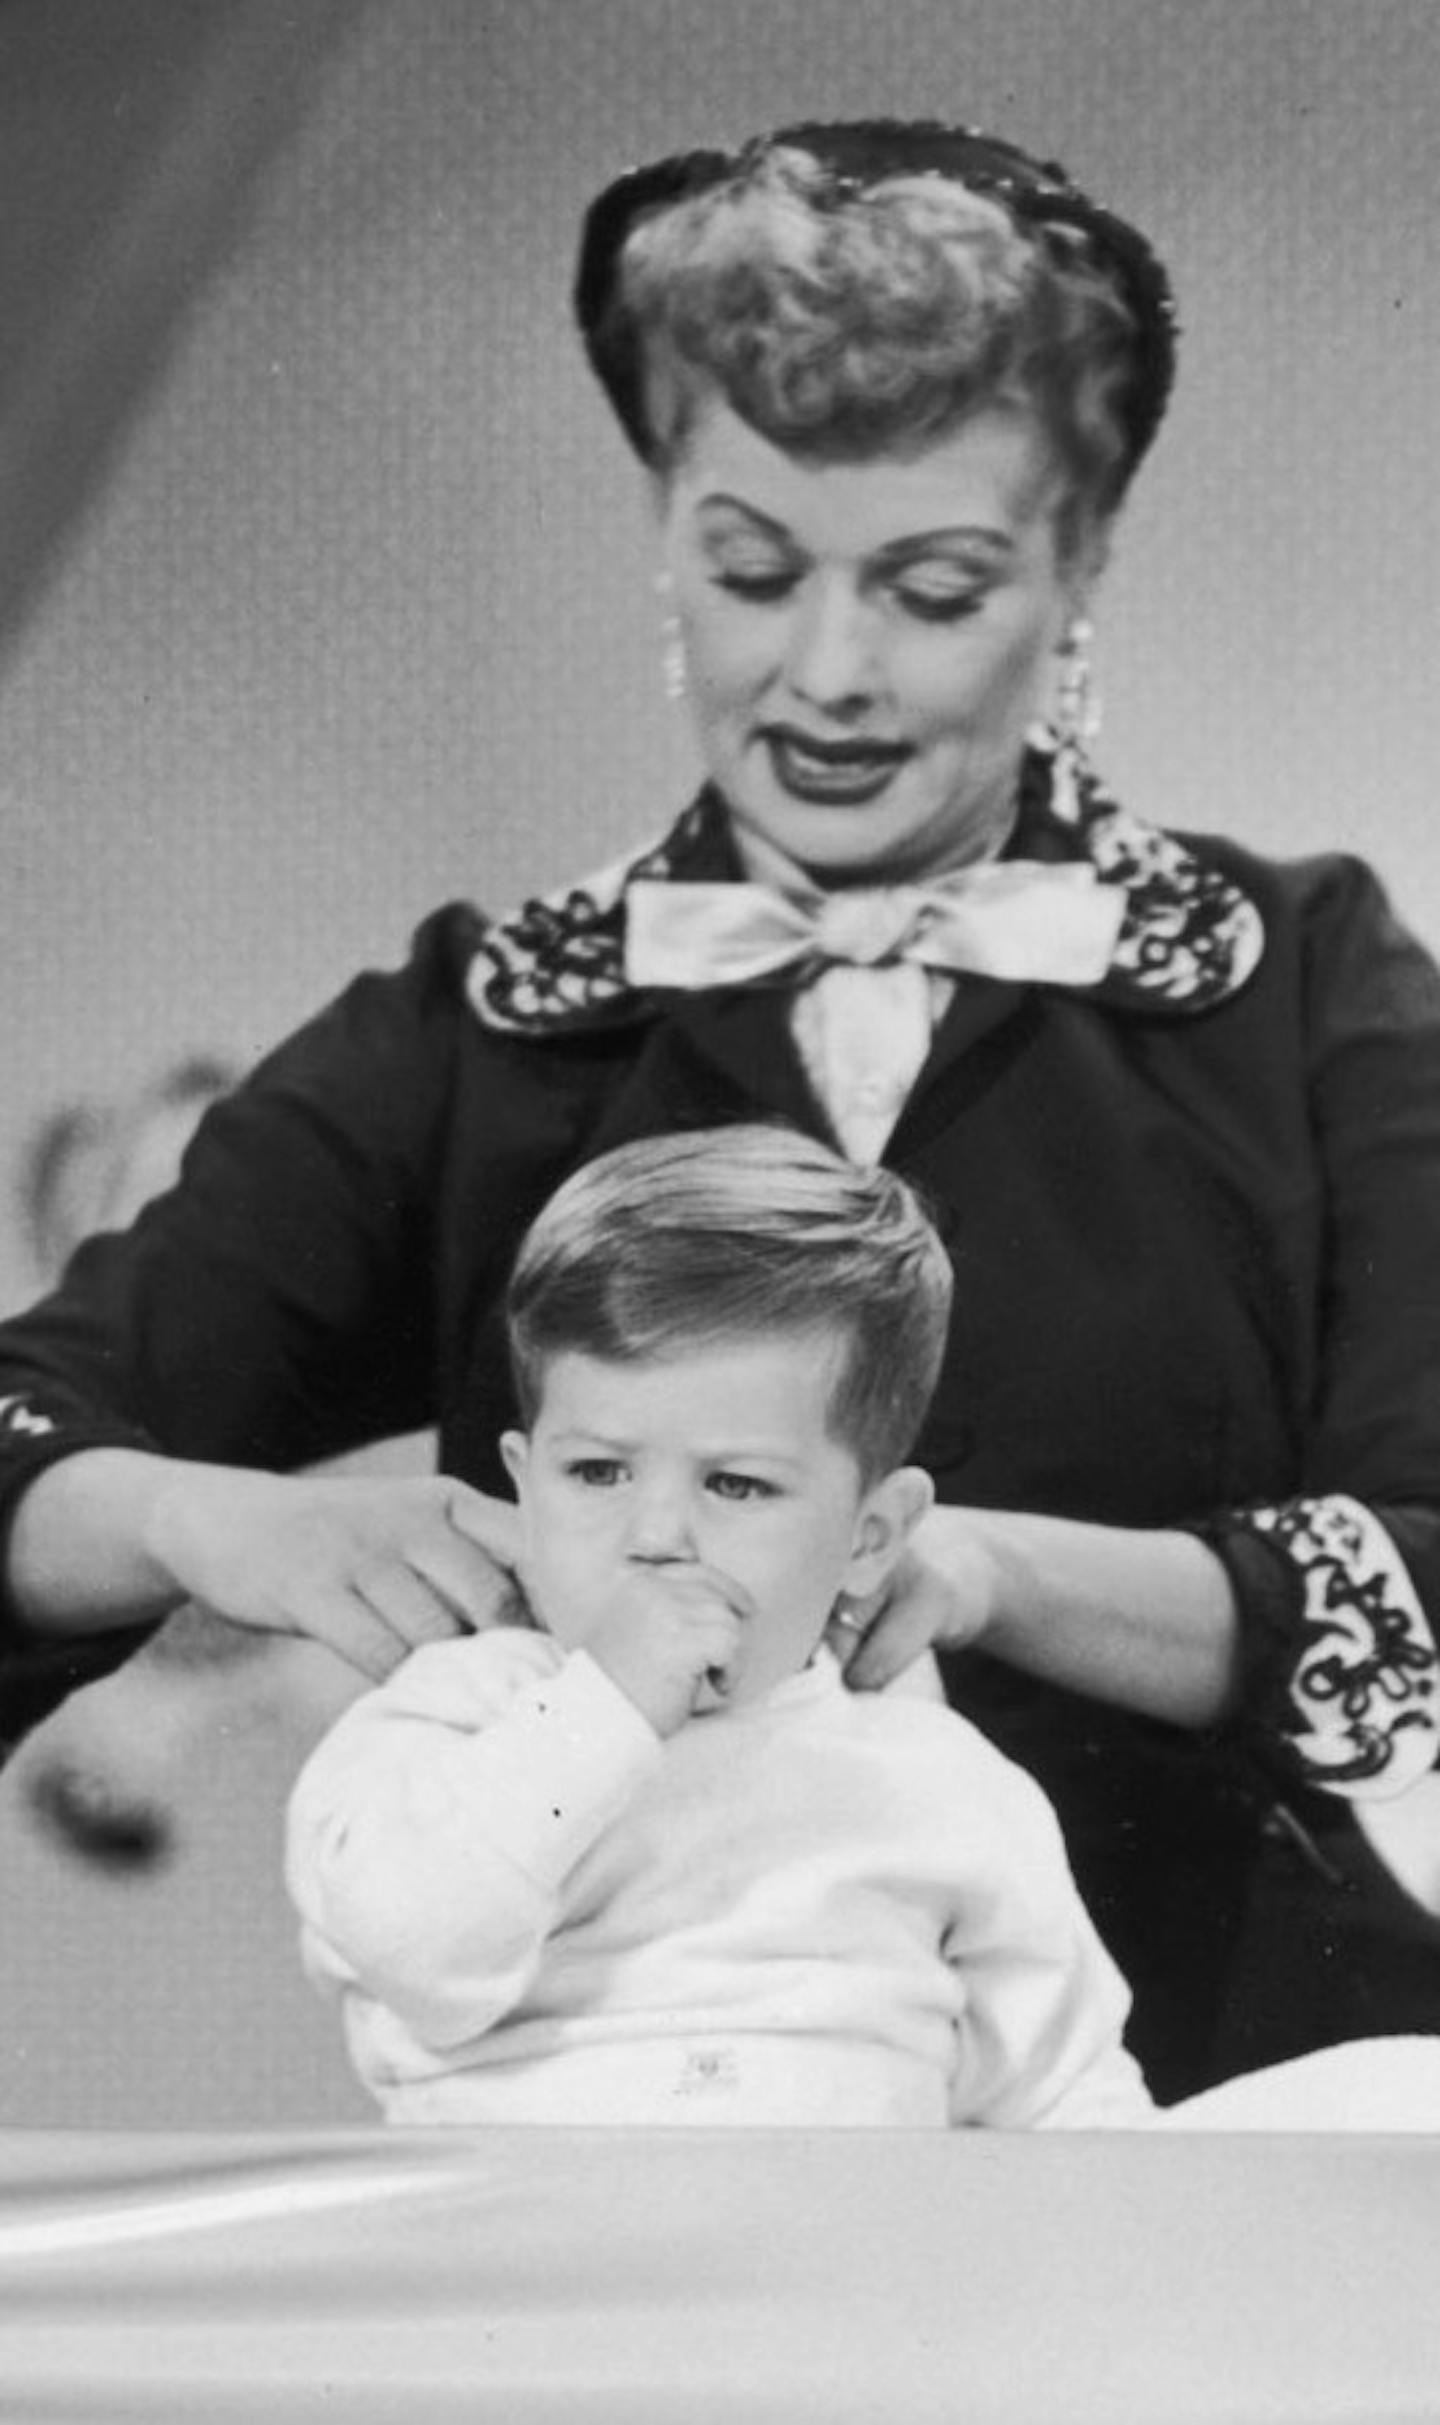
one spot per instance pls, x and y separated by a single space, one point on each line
831 659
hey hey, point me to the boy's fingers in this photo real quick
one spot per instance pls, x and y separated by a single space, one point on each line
697 1588
732 1595
709 1635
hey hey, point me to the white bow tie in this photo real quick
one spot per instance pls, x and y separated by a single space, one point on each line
1012 918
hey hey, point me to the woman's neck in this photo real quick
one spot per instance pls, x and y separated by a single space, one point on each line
763 862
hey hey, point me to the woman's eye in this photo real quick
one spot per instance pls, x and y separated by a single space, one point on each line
938 605
739 1487
762 584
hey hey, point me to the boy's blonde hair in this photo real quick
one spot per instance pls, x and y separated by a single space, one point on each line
681 1242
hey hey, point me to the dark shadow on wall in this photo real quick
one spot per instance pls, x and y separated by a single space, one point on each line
132 137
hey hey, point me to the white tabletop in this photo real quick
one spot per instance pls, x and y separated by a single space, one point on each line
532 2277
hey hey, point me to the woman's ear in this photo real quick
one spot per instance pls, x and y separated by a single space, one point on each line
888 1515
515 1451
1087 570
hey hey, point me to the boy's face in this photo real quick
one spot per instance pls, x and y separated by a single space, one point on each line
723 1458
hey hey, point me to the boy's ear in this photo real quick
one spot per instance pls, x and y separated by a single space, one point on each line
889 1513
515 1451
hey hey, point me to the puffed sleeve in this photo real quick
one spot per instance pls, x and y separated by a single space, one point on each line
1339 1583
270 1309
430 1834
1038 2041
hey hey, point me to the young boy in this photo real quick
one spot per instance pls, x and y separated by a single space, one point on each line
652 1861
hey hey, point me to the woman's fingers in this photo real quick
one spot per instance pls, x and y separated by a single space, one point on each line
874 1640
357 1633
433 1577
407 1603
370 1567
920 1608
493 1525
850 1622
377 1616
469 1558
896 1639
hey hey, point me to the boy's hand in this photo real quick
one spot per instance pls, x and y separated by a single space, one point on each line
667 1631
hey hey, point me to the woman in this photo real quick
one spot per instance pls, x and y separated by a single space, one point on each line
1178 1109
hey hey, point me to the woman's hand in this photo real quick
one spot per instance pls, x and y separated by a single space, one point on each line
939 1596
1142 1619
370 1567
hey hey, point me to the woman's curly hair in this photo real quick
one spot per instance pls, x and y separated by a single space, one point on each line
844 322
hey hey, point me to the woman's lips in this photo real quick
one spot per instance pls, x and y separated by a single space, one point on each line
849 771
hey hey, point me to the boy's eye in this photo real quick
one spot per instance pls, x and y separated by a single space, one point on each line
739 1487
595 1473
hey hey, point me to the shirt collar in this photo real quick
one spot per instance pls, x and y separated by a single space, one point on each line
1190 939
820 1679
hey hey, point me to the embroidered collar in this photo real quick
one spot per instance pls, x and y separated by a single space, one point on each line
1191 936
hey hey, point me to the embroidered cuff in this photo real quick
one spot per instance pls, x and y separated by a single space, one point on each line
1350 1665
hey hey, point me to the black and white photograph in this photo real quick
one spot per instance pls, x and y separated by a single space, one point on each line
719 1211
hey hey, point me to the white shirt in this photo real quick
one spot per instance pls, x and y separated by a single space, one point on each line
826 1907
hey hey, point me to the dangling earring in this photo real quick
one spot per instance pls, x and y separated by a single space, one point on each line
1073 725
674 669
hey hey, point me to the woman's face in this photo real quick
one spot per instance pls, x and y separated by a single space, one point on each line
866 643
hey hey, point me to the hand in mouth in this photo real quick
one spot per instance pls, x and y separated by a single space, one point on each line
812 768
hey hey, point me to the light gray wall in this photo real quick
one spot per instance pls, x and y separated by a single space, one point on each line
364 620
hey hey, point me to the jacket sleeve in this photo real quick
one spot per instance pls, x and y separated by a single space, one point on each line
1039 2038
273 1307
1339 1583
431 1833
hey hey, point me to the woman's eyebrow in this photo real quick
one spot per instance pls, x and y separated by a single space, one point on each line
721 499
970 537
965 537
